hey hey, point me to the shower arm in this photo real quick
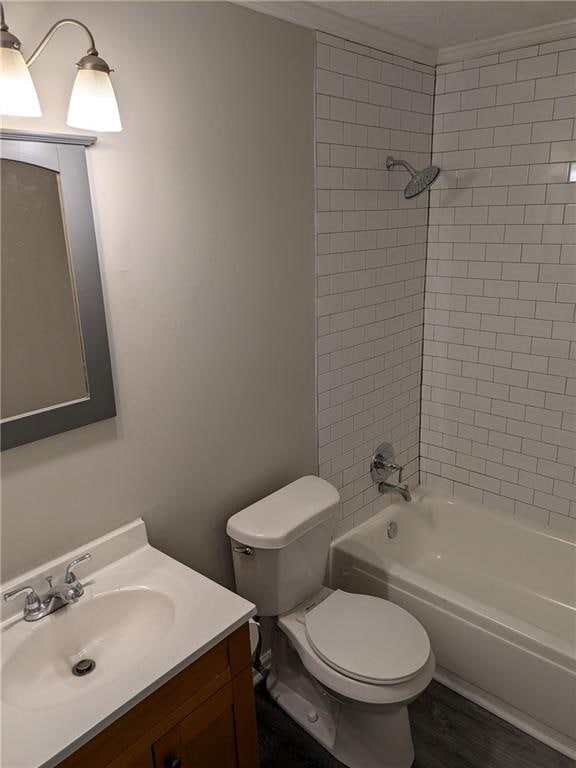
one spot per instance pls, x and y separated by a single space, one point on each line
391 162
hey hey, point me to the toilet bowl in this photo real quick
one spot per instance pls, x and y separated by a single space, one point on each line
344 666
347 696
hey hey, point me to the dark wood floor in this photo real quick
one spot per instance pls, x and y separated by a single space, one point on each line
448 730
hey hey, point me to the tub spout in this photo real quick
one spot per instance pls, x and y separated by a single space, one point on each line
401 488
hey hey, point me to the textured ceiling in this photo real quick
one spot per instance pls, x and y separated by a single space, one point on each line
443 24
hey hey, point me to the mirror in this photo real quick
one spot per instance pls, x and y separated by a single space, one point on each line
42 353
55 366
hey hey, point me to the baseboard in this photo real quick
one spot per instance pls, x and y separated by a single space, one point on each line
506 712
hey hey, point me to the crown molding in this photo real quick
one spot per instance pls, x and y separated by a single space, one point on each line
521 39
314 16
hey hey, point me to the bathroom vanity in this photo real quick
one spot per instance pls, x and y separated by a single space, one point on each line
149 666
202 718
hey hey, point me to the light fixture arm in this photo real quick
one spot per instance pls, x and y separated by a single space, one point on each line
90 61
52 31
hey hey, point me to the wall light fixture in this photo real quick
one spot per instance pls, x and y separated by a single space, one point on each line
93 104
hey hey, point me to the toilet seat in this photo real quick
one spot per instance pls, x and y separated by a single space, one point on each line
367 638
398 692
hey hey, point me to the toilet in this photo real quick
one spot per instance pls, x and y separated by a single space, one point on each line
344 666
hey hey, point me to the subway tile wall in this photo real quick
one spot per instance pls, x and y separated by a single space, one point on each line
371 257
499 379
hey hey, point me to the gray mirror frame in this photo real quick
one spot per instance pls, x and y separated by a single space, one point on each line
66 154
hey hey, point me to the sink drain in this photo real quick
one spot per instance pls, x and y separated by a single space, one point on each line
83 667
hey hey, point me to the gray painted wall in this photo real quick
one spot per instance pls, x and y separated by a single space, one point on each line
204 215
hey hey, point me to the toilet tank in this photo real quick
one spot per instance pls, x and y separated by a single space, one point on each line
280 544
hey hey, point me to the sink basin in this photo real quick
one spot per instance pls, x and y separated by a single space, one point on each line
115 629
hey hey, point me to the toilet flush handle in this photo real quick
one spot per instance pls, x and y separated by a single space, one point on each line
243 550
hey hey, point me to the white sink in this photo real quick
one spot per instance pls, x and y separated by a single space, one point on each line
143 618
114 629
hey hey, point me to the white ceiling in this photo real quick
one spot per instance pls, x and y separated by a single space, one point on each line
444 24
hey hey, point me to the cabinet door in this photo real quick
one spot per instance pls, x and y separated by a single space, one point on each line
205 739
143 760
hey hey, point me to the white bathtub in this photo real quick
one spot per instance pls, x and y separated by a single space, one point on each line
497 597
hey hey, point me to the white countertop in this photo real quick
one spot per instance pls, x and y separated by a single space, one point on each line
38 732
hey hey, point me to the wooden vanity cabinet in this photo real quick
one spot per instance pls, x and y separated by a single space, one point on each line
203 718
145 760
205 738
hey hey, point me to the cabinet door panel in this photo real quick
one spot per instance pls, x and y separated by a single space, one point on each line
205 739
143 760
213 747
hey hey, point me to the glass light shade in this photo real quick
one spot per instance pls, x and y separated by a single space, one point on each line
17 92
93 104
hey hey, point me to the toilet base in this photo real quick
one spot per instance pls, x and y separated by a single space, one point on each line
358 735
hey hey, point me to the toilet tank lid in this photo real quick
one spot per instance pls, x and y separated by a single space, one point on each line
283 516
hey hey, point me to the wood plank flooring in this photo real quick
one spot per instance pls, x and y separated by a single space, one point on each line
448 730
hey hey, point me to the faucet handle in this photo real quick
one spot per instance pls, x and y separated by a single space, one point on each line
32 600
70 576
381 462
392 466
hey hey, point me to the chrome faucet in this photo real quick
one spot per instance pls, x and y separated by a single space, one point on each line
401 488
58 595
382 466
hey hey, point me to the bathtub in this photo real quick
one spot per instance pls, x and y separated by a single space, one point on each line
497 597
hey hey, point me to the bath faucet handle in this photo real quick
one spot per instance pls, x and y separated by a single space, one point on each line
391 466
33 602
380 464
70 577
383 463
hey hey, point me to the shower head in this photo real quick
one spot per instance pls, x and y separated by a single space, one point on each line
420 181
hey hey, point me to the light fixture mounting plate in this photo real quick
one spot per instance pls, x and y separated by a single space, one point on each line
93 62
